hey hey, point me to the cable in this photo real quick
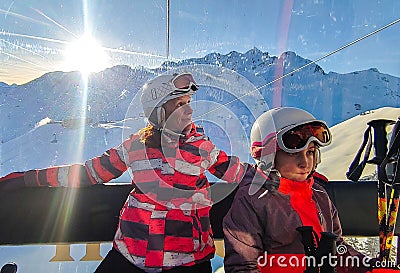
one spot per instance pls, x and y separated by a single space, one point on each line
304 66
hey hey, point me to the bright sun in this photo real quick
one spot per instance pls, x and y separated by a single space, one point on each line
85 55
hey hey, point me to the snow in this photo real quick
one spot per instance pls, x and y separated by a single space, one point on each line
347 137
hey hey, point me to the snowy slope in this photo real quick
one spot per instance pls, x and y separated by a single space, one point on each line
347 137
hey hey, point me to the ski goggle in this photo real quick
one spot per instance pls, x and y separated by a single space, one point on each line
183 83
297 139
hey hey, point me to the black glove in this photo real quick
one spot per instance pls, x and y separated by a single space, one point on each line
12 181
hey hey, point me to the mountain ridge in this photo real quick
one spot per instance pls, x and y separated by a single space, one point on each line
112 89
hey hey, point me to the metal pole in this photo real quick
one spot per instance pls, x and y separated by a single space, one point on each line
167 38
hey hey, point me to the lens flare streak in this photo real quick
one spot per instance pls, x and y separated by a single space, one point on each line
23 60
23 48
26 18
55 22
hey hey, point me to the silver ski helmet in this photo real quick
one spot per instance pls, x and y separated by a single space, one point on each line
286 128
161 89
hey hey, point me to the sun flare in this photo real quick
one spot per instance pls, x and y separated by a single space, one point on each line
85 55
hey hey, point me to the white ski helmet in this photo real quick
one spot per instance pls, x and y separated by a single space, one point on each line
161 89
286 128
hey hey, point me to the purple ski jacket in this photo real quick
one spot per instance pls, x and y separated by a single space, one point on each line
263 218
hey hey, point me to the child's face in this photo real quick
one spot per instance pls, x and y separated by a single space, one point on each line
296 166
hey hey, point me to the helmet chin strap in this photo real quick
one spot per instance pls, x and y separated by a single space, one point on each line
317 160
171 132
311 174
161 122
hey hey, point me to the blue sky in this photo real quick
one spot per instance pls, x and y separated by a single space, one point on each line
34 33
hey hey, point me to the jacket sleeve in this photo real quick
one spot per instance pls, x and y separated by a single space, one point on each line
242 236
12 181
97 170
227 168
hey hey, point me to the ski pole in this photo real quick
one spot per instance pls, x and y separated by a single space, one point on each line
391 223
386 228
308 238
380 139
326 252
380 145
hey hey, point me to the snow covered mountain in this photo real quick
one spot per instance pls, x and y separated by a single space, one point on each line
42 125
331 96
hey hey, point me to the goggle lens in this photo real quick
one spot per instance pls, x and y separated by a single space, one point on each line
185 82
298 137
